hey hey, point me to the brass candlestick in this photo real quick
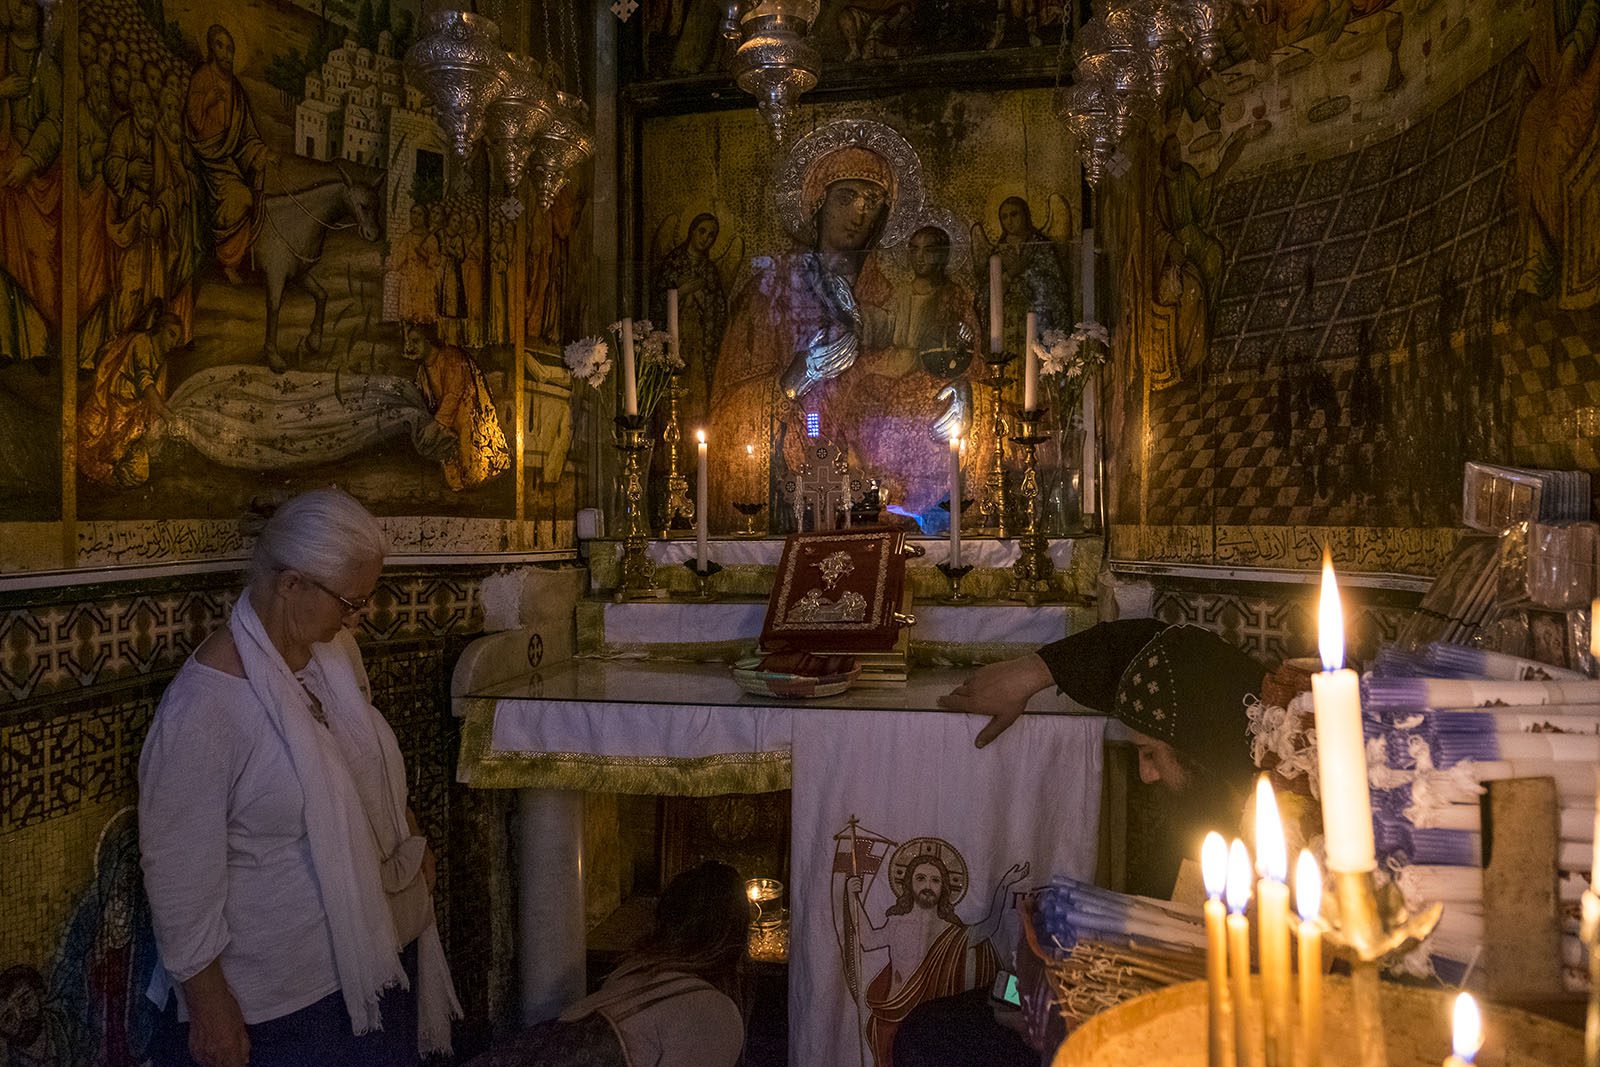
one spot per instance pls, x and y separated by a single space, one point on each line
993 509
702 579
638 570
1368 927
680 508
954 575
1032 572
1590 932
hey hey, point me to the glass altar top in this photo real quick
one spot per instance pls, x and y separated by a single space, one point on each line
712 685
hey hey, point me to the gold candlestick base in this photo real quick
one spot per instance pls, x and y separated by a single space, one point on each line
1033 573
1366 927
996 498
638 569
954 575
680 509
703 593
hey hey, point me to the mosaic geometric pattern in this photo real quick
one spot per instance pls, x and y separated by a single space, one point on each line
1325 254
82 671
1553 373
1277 622
62 640
73 753
1348 285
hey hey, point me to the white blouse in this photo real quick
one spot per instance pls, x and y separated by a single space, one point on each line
227 865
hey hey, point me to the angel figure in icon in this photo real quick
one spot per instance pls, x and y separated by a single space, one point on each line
689 262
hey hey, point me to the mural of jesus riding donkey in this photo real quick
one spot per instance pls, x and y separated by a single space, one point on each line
255 187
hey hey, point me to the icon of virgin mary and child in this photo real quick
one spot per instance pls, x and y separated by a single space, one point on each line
822 335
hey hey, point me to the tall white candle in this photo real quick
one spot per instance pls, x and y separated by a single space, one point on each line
1341 746
630 383
997 340
1091 444
1087 247
955 500
1030 364
1594 872
701 525
672 323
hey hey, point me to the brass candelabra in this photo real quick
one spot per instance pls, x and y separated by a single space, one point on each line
680 507
993 510
1032 573
1367 927
638 570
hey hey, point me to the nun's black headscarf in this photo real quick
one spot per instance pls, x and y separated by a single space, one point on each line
1188 687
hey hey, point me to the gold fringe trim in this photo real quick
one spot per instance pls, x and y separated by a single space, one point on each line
697 776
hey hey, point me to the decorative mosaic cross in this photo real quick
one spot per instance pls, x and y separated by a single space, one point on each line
624 8
826 483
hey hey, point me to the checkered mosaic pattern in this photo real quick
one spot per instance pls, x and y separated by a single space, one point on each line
1553 374
1350 286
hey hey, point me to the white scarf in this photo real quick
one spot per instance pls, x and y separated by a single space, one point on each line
353 839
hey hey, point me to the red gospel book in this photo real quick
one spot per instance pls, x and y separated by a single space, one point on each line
838 591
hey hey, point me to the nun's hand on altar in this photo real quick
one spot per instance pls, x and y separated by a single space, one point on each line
1000 691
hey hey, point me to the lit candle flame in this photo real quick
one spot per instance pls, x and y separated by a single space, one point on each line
1272 854
700 435
1307 887
1214 864
1330 618
1238 877
1468 1031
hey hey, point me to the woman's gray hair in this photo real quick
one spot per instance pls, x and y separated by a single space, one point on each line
320 534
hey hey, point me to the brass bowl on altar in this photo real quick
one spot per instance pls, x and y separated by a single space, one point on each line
1168 1029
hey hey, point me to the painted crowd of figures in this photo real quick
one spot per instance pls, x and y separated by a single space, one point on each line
195 231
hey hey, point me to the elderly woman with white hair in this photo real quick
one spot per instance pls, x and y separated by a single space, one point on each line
290 889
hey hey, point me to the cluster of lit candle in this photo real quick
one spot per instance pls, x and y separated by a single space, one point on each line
1226 871
1230 882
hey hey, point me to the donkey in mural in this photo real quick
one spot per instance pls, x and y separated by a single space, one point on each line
289 244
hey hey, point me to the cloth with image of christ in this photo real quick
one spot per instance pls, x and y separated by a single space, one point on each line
941 973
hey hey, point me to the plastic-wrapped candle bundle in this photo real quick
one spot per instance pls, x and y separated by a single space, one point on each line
1441 722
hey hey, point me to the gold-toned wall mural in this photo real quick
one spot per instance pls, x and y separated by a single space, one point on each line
839 292
1363 255
284 279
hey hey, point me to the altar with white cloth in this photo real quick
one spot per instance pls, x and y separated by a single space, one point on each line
893 810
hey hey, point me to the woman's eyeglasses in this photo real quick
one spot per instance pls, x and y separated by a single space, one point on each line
351 607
